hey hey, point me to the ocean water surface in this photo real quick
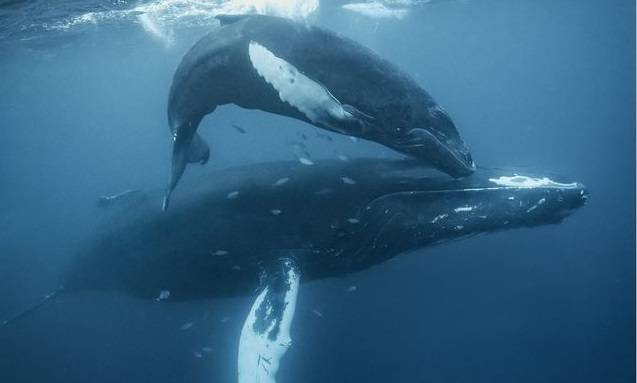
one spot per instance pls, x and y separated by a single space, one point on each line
546 85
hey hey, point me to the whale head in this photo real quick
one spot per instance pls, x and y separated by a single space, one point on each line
432 137
429 209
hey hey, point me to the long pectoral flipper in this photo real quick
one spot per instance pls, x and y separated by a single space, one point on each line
265 336
306 95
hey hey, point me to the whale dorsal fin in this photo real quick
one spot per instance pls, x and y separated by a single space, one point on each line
230 19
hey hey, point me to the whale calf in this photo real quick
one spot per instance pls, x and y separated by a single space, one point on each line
263 229
309 74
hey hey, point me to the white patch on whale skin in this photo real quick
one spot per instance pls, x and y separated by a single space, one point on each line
525 182
439 217
296 89
464 208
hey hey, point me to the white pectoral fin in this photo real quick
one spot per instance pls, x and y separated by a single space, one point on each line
298 90
265 336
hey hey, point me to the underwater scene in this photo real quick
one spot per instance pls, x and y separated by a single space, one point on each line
317 191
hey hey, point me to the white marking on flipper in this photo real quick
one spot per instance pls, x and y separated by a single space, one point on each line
309 97
260 350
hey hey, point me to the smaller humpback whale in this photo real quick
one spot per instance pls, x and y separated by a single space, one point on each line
339 218
309 74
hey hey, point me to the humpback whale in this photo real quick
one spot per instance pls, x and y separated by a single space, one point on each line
309 74
263 229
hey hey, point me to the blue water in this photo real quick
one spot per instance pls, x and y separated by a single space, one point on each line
547 85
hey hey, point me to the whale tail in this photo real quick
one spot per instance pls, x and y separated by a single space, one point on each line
186 149
34 306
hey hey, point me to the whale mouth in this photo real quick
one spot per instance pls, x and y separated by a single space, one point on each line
458 161
451 156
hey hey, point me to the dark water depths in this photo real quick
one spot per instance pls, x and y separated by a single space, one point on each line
543 85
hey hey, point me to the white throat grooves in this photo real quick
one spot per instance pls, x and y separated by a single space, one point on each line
296 89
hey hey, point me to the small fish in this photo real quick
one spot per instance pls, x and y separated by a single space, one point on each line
236 267
343 157
185 326
353 220
207 349
306 161
351 289
225 319
163 295
317 313
197 355
275 211
232 195
220 252
281 181
347 180
239 129
354 139
324 191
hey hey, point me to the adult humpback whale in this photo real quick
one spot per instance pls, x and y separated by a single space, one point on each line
261 229
313 75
